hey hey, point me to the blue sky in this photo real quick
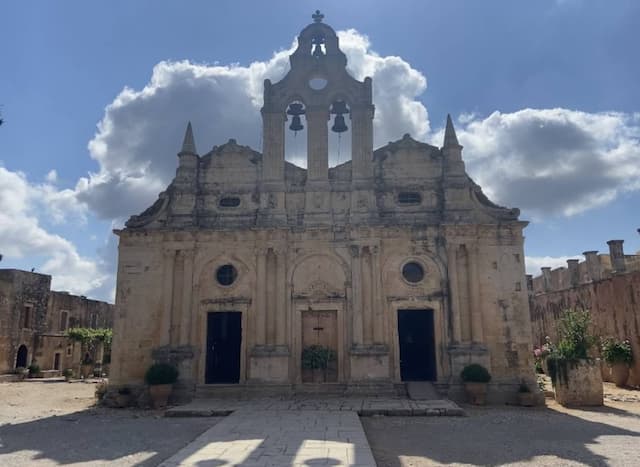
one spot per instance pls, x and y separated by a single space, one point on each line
544 95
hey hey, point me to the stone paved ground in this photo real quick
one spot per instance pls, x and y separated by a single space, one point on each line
52 423
276 438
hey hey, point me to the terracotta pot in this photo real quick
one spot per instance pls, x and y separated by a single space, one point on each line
619 374
526 399
160 394
476 393
86 371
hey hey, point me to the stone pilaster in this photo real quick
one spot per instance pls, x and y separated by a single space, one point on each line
273 146
356 312
475 302
454 299
317 145
361 143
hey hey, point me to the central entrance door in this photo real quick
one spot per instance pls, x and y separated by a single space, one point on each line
319 334
224 336
417 345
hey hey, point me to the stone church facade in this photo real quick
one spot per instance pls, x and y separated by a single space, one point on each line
394 260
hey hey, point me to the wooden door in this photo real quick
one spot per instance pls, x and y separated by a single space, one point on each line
320 328
224 337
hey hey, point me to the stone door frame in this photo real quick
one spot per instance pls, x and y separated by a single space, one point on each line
441 333
328 304
200 324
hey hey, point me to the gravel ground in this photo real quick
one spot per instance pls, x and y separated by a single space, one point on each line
514 436
50 422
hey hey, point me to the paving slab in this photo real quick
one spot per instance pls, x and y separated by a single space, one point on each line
278 438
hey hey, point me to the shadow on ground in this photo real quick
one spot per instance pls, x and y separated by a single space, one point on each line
498 436
98 435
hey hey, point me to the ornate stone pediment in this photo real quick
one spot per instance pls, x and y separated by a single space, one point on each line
319 289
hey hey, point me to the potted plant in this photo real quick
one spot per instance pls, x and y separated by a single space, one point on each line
68 374
21 372
34 370
576 377
316 359
525 396
123 397
475 378
160 378
618 356
86 367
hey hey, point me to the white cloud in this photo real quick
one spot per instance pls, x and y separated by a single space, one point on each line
553 161
141 131
534 263
22 204
52 176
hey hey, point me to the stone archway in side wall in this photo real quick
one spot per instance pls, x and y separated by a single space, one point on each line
22 357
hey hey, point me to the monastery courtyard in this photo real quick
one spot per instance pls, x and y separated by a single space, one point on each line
50 422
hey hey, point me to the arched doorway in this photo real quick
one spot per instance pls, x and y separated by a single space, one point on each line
21 359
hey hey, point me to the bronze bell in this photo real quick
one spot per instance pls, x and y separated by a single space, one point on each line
338 124
295 110
339 107
296 124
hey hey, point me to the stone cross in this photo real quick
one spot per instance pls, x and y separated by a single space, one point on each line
317 16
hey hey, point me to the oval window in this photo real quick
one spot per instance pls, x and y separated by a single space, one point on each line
413 272
226 274
318 84
409 197
229 202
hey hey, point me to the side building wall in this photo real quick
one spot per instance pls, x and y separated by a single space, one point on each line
612 297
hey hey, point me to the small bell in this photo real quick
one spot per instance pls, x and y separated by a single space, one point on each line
296 124
339 107
295 110
338 125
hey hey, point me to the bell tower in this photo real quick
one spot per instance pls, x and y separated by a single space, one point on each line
318 88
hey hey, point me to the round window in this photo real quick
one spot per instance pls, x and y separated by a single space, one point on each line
226 275
413 272
318 84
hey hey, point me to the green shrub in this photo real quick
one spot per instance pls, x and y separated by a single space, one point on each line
475 373
34 369
317 357
68 373
615 351
575 340
161 373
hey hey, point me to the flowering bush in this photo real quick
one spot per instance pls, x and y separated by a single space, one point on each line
542 352
615 351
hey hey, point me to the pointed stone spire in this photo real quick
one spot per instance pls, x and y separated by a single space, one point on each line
188 145
450 138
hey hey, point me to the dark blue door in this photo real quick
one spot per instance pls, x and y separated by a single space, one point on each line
224 336
417 345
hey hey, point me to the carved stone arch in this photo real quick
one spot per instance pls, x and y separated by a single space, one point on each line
326 275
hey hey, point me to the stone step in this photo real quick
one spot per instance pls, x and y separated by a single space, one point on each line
255 390
422 391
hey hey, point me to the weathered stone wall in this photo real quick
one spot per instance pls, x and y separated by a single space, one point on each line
43 335
20 289
614 303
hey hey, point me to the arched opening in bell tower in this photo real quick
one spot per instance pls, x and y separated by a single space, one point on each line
295 140
339 132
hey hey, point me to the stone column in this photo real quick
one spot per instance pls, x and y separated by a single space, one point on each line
176 302
574 274
366 293
529 282
361 142
271 293
261 294
379 324
280 291
167 296
454 299
593 265
475 300
317 144
546 278
616 254
356 312
273 146
185 323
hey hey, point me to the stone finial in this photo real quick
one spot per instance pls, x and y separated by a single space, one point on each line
593 265
546 278
574 274
188 144
450 138
317 17
616 254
